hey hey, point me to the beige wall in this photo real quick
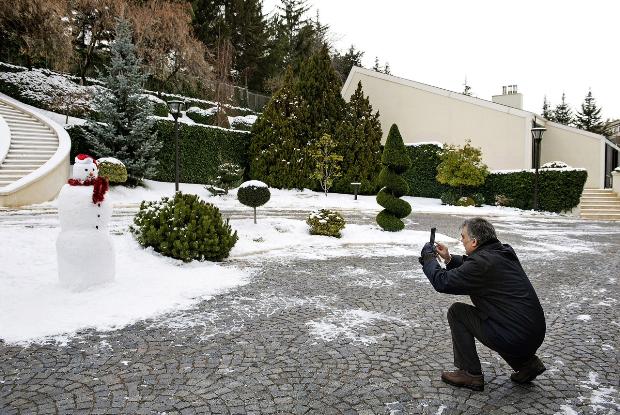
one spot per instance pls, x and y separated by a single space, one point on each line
437 115
575 148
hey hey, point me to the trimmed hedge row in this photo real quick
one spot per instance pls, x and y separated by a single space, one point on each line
558 189
201 150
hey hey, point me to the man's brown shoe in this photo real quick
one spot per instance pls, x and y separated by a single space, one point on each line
464 379
529 371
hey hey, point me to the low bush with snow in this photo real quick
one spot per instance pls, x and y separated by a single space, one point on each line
326 222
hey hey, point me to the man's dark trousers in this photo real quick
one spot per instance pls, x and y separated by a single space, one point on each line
466 323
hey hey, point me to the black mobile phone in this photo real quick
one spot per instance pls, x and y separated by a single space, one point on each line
433 236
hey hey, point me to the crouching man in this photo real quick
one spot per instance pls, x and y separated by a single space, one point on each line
506 315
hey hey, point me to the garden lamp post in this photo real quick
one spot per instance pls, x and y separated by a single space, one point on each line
175 108
537 133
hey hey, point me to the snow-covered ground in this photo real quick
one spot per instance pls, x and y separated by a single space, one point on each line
33 305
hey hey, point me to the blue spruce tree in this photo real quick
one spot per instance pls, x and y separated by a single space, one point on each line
123 128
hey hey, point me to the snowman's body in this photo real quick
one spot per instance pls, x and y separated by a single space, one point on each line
84 247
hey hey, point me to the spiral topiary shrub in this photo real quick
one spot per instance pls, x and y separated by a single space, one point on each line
113 169
253 193
184 228
395 163
326 222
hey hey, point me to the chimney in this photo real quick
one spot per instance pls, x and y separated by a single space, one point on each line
509 97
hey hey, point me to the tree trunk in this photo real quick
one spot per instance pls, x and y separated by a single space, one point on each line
254 215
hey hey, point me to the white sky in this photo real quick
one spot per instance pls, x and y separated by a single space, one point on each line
544 46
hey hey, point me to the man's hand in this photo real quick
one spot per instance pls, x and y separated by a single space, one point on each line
442 251
428 253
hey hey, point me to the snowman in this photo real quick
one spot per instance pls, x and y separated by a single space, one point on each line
84 247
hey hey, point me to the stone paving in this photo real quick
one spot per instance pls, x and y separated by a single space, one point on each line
354 335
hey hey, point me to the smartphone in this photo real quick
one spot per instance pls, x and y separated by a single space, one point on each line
433 236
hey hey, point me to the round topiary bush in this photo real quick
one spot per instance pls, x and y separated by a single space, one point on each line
253 193
326 222
448 198
184 228
113 169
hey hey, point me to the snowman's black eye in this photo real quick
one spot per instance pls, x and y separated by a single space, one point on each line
85 169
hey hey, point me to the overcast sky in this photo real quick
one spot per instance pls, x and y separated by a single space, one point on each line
544 46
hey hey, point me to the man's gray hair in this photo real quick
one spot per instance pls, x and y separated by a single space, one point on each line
479 229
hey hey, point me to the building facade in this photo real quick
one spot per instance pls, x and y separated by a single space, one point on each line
501 129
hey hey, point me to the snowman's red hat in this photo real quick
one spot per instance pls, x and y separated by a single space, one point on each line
85 158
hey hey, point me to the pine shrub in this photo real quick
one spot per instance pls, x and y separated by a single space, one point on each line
253 194
448 197
326 222
184 228
395 162
465 201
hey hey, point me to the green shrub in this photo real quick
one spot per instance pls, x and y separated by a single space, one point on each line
502 200
478 199
160 108
202 116
228 176
253 194
184 228
448 197
389 222
326 222
113 169
465 201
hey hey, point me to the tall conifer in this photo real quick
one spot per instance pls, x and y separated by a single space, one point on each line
589 118
124 128
361 148
278 148
562 113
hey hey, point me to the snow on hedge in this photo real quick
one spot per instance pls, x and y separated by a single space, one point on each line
205 113
242 120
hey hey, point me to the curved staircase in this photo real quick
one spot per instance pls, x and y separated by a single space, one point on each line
599 204
34 156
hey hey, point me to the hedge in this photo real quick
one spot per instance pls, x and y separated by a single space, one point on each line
559 190
421 175
201 150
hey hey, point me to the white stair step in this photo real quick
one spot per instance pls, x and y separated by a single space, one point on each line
6 166
11 177
33 146
22 118
26 128
4 173
34 141
31 133
32 158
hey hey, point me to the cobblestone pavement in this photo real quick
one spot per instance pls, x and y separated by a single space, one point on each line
354 335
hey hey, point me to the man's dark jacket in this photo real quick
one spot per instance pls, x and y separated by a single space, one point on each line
495 281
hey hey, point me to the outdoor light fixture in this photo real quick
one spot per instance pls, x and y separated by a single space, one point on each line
175 108
537 134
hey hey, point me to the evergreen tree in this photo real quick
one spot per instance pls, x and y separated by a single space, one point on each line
344 63
327 162
376 66
395 162
124 128
466 88
319 88
362 147
278 148
562 113
589 118
386 69
546 112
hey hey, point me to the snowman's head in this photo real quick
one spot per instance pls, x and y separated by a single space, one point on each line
84 168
